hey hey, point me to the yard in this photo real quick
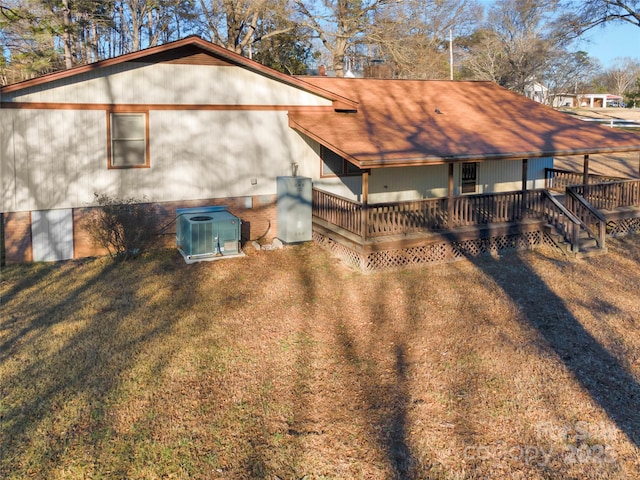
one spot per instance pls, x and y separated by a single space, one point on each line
287 365
625 165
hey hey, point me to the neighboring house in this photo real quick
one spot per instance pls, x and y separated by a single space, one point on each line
402 170
559 100
537 92
600 100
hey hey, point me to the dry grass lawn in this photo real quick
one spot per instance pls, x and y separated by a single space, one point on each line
288 365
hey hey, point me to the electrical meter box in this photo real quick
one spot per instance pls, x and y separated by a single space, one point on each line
294 209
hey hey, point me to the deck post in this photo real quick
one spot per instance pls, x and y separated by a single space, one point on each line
364 214
585 171
450 196
525 163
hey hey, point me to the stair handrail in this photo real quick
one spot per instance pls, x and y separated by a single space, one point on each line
570 228
587 214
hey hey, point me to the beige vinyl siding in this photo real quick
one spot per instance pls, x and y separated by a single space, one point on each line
55 159
536 172
347 187
208 154
409 183
139 83
506 175
58 159
498 176
391 184
310 165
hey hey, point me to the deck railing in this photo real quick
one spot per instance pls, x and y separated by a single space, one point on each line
494 208
406 217
581 211
591 219
609 196
435 214
557 179
564 222
339 211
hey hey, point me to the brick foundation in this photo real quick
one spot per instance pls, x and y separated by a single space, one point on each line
17 237
83 245
258 221
257 213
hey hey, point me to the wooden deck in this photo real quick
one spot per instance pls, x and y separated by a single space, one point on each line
426 237
390 235
621 213
445 228
433 215
400 251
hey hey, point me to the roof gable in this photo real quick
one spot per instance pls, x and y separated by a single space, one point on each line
190 54
190 50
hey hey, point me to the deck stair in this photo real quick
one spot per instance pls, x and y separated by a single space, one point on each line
581 242
587 245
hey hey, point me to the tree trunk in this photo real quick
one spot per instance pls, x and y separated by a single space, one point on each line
66 34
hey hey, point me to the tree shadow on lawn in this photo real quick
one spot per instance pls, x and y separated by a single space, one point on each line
71 384
37 275
373 366
379 365
597 370
387 404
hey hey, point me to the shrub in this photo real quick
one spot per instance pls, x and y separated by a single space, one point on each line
124 227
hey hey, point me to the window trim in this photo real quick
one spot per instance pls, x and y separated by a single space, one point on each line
147 156
346 166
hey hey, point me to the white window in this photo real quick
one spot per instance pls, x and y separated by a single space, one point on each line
129 140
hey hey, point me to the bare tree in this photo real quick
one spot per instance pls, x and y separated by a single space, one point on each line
517 43
622 75
482 56
339 24
591 13
568 73
414 35
238 24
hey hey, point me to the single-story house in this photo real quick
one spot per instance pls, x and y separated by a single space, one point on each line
537 92
400 169
559 100
600 100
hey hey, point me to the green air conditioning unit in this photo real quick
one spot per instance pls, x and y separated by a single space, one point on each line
207 232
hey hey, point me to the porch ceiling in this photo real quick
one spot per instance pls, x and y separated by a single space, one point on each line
408 122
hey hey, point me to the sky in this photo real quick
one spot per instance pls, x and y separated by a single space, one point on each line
611 42
614 40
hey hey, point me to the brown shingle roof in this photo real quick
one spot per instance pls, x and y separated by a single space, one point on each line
413 122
